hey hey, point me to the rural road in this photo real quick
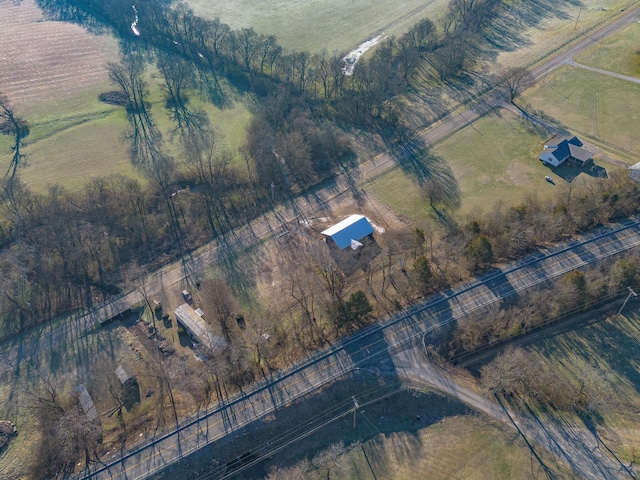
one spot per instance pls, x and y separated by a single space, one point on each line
571 443
326 365
388 346
179 273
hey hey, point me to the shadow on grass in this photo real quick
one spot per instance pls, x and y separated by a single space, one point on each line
569 172
332 411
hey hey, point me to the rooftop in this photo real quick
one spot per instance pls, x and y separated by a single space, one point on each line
86 403
354 227
197 326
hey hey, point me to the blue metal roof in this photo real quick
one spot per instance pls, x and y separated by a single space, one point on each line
355 227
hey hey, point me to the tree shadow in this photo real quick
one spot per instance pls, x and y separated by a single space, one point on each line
376 418
432 174
505 31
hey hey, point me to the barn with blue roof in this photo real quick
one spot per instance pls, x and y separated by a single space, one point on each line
349 232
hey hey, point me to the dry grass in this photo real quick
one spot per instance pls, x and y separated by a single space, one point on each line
555 24
42 60
463 447
605 356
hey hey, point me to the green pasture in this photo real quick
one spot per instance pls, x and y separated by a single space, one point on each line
494 159
596 106
618 53
70 151
317 25
79 137
605 357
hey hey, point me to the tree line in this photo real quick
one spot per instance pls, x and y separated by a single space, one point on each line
575 292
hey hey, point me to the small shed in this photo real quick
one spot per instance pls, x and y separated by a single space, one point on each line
195 324
634 172
349 232
86 402
130 387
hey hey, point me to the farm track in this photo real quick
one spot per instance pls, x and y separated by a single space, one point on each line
65 124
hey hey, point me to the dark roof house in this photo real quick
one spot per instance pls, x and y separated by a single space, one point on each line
349 232
562 149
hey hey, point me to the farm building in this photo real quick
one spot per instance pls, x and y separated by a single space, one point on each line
349 232
562 149
634 171
130 387
86 402
193 322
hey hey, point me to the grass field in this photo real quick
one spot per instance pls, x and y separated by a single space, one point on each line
617 53
591 104
463 447
494 159
331 25
54 85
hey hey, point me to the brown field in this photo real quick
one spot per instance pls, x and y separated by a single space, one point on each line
42 60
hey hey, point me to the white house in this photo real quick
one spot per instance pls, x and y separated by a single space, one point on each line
562 149
193 322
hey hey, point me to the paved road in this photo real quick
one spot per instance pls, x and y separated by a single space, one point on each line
178 274
571 443
380 346
13 352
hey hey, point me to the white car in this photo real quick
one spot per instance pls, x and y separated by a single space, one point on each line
548 179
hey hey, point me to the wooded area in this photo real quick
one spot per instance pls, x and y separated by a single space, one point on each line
94 241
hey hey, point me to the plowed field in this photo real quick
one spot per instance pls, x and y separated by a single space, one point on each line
42 60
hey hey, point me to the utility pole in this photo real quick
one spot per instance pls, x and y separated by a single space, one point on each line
631 292
355 407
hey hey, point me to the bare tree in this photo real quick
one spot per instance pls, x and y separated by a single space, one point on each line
146 138
191 124
218 298
11 124
515 80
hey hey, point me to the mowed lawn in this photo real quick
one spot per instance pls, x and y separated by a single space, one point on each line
598 106
94 146
494 159
618 53
317 25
